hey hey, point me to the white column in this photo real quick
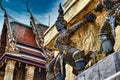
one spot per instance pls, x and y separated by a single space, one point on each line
29 72
9 70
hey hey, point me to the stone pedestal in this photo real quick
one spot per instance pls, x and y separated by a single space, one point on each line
103 69
9 70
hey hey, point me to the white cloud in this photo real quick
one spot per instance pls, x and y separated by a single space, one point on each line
24 17
53 14
1 20
7 0
1 24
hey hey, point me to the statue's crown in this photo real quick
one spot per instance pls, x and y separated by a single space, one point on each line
60 19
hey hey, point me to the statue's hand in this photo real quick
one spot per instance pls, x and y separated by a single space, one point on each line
98 7
90 17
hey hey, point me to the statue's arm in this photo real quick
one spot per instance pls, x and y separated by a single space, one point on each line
88 18
76 26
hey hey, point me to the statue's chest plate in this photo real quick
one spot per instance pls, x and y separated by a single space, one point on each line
63 38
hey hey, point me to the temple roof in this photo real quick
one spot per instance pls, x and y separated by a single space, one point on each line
29 52
18 42
23 33
43 25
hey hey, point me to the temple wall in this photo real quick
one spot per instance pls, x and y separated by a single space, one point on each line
117 39
86 38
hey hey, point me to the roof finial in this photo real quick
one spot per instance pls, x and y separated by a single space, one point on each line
2 7
28 10
33 24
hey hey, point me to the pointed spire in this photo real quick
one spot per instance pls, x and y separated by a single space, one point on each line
49 21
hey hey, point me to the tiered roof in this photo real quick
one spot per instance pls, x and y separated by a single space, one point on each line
29 52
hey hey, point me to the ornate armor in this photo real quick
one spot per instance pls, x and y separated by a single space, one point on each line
68 53
107 31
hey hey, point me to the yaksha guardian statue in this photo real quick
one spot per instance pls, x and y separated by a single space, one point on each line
70 54
107 31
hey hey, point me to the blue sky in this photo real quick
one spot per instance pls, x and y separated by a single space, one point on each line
40 9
